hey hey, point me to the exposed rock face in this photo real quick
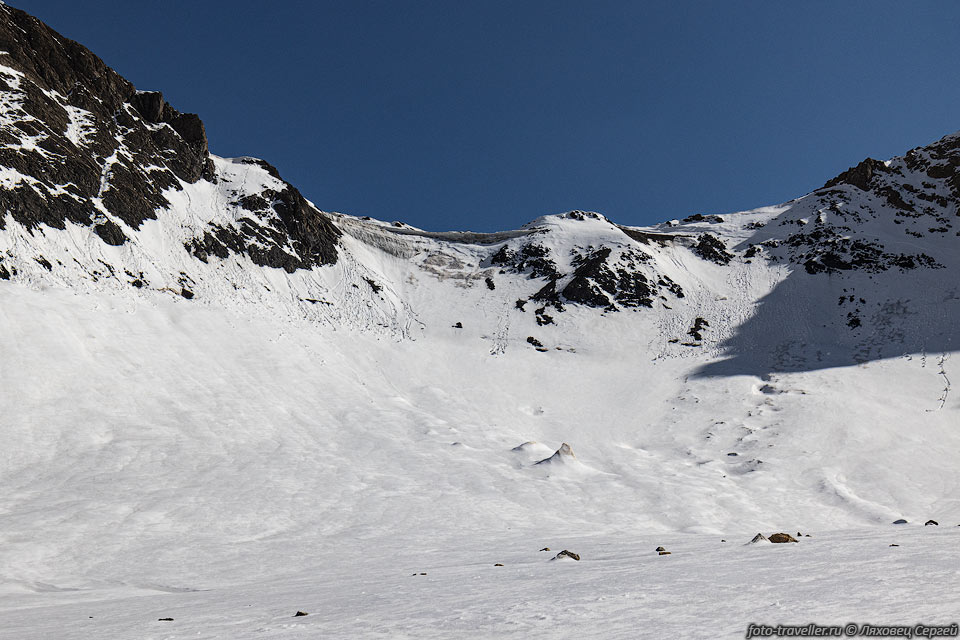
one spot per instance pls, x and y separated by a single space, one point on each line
607 280
918 192
276 221
596 284
531 259
709 247
89 157
191 160
860 175
944 162
84 147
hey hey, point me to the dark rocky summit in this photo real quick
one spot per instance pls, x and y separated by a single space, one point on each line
860 175
101 154
86 177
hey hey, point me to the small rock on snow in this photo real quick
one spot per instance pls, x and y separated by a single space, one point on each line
782 537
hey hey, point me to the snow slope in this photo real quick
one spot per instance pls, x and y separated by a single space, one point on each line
230 460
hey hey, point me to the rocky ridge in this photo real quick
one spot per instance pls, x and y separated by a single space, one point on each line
80 145
104 185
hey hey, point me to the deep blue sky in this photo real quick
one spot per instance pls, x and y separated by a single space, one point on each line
483 115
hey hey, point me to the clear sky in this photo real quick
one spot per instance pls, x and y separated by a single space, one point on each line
484 115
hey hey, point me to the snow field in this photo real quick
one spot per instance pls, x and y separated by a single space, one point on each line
174 453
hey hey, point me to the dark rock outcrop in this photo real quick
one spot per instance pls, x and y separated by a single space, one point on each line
696 331
596 284
106 156
710 247
859 176
192 161
531 259
113 158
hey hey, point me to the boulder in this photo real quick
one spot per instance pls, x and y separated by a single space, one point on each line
567 554
759 538
931 522
782 537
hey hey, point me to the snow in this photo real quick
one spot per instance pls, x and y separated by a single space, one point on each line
463 593
80 127
226 468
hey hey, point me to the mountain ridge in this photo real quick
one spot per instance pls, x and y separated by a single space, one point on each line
67 162
106 187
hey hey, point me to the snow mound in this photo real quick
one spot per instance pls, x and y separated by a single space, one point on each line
563 455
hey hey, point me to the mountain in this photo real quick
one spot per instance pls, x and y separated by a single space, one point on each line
211 387
107 187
